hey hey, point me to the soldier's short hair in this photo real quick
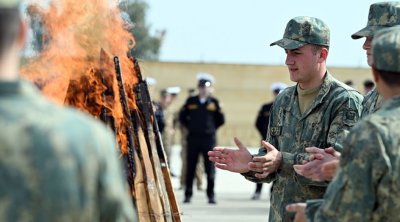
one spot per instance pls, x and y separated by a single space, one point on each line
390 78
317 48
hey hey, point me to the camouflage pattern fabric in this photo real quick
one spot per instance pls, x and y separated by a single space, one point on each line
365 187
381 15
372 102
335 110
56 164
387 60
367 183
304 30
386 45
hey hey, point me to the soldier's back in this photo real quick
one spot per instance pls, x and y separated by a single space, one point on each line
365 187
56 164
385 125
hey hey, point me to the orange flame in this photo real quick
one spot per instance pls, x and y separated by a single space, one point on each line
75 34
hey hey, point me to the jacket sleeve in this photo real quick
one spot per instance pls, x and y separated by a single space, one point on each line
219 116
183 115
351 196
345 118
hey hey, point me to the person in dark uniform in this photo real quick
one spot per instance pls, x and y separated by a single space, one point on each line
262 122
202 116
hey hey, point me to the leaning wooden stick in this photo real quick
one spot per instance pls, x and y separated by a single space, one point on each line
153 135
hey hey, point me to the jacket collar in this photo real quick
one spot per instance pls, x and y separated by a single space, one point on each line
292 97
391 103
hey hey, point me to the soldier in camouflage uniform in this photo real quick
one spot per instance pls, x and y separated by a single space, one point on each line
381 15
318 111
366 186
56 164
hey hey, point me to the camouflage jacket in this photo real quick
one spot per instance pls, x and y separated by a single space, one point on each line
325 123
56 164
372 102
366 187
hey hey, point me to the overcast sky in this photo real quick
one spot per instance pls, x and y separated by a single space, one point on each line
238 31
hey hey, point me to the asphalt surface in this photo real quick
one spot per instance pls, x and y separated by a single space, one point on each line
233 196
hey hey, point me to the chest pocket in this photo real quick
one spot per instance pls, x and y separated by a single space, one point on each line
277 130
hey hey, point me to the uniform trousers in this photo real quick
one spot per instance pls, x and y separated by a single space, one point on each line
200 145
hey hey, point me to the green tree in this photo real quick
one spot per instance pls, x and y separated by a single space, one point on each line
147 46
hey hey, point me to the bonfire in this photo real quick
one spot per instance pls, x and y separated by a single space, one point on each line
84 63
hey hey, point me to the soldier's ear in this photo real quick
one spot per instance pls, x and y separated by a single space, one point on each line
323 55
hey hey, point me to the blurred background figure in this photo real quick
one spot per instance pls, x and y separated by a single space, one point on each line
262 122
174 92
199 168
349 83
169 125
202 116
160 112
368 86
151 85
192 92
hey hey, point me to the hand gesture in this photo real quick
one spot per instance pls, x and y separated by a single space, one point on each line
312 168
299 209
234 160
268 163
329 169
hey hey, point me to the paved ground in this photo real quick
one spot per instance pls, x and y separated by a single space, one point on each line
233 194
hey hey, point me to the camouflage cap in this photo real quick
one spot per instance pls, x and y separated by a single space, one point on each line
386 49
381 15
304 30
